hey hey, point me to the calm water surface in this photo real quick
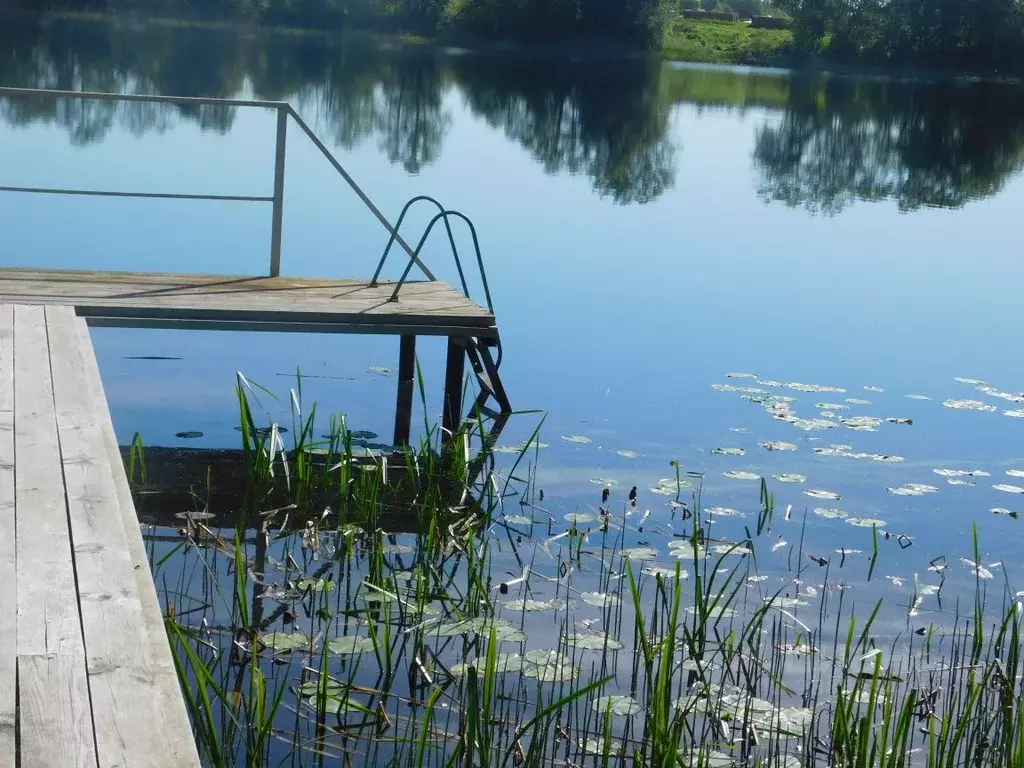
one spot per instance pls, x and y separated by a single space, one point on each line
647 229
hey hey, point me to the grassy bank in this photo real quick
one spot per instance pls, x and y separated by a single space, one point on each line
726 42
689 40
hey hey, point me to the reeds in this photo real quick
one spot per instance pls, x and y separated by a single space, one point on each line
325 635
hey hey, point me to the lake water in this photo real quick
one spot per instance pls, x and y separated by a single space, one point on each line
647 228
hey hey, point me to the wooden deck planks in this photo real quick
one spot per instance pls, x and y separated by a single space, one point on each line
86 675
228 297
54 712
8 566
170 713
122 684
54 717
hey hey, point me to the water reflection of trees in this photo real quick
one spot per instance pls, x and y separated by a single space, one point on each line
919 144
606 121
610 124
819 142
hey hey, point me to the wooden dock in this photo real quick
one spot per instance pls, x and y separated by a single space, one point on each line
236 302
86 674
287 304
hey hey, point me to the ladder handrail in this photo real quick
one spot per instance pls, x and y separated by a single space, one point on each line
398 225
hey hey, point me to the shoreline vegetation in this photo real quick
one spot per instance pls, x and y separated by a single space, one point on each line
697 41
684 41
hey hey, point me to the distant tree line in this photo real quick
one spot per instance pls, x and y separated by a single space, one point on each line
967 35
634 22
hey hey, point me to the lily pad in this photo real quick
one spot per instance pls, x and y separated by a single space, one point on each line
858 400
627 454
1015 473
600 599
741 475
817 493
504 631
518 520
790 477
532 606
961 472
284 642
335 705
917 397
912 489
624 706
864 522
504 662
639 554
552 673
1015 414
778 445
593 642
578 439
580 518
602 747
665 573
968 405
350 645
799 387
831 513
728 451
1007 488
603 481
786 602
723 512
725 548
380 370
741 375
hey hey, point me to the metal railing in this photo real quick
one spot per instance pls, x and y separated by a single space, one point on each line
284 112
444 214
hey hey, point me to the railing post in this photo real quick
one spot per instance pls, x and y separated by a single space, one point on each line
275 231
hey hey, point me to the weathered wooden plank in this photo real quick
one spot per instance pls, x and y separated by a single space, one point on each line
6 357
365 305
122 681
243 298
8 565
48 620
56 724
168 701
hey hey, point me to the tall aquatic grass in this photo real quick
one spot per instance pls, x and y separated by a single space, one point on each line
321 635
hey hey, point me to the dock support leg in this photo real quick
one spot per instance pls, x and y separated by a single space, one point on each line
406 382
454 373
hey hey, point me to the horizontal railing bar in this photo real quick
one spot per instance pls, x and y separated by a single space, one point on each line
150 98
151 195
362 195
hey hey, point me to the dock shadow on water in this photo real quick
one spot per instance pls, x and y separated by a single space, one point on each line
429 606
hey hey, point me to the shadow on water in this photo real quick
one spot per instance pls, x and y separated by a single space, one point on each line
820 142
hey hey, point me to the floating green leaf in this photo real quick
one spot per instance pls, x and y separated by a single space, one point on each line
350 645
624 706
283 642
593 642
